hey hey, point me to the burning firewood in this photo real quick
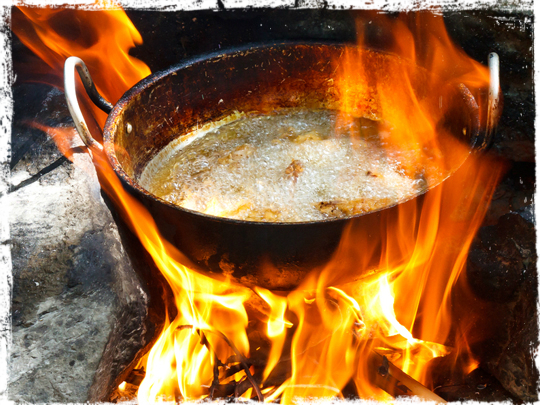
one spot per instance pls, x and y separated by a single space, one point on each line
395 382
382 373
216 387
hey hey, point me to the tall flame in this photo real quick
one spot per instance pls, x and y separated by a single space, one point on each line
101 38
318 339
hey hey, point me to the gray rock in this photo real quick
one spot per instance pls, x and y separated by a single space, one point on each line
502 273
72 280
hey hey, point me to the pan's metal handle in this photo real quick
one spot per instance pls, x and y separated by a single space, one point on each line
494 105
484 137
494 96
71 64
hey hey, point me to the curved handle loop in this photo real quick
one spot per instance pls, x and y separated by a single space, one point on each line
494 96
73 63
494 105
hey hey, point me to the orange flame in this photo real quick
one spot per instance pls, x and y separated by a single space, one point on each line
66 138
397 98
101 38
344 323
318 338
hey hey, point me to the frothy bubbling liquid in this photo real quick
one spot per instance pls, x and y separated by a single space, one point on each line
291 166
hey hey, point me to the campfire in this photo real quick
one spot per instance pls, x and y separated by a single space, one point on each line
373 319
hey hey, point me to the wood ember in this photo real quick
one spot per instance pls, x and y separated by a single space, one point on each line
128 392
382 374
395 382
136 377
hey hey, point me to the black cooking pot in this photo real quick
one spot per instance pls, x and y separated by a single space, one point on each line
259 79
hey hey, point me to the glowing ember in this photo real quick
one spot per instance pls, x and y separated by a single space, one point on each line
312 342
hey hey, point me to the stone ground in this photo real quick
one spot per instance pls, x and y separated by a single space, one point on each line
68 263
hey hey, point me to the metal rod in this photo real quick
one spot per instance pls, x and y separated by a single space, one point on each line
494 92
76 64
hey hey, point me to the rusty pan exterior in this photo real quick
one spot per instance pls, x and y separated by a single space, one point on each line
263 79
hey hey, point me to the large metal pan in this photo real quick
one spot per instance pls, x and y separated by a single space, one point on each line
261 78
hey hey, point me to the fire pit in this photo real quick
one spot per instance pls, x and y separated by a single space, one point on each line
274 333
